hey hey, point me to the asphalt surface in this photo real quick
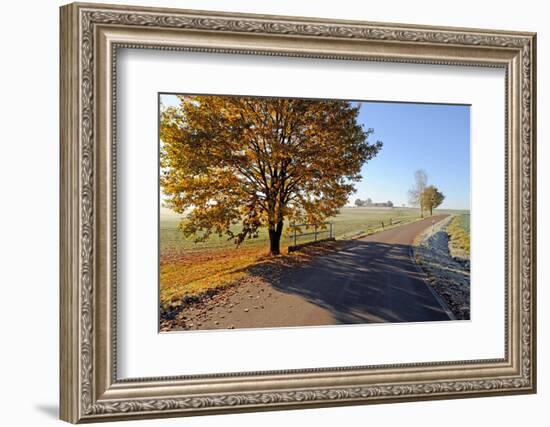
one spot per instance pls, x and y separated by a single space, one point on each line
369 280
373 279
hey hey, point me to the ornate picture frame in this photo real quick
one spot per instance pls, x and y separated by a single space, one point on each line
90 37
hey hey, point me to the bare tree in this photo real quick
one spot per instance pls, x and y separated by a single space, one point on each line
415 192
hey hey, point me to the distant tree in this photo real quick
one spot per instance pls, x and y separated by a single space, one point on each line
432 198
359 203
368 202
415 192
237 164
390 204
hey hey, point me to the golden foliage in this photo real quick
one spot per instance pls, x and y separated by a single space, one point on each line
431 198
259 161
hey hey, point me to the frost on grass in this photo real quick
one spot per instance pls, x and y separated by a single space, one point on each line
449 276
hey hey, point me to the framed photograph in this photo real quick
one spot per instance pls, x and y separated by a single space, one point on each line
266 212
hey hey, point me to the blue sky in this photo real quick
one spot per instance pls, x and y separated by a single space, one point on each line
433 137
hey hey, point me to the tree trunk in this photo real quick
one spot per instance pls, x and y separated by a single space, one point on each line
275 239
431 214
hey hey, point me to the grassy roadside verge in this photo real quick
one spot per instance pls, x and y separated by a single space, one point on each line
197 273
444 272
191 278
459 236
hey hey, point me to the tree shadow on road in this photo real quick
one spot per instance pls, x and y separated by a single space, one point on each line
364 282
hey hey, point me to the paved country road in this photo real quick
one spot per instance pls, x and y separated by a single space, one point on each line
369 280
373 279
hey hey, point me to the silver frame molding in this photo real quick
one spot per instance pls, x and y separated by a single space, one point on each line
90 37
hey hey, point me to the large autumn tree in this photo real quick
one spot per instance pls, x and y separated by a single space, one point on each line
236 164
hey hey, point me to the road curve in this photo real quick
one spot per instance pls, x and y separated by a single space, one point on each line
371 280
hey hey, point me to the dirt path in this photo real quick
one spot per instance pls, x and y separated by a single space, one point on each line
369 280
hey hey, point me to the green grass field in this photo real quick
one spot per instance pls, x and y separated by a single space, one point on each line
189 268
349 223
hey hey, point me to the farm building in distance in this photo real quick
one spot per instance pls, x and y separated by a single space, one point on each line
387 204
370 204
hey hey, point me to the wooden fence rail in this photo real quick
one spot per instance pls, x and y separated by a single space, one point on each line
316 231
